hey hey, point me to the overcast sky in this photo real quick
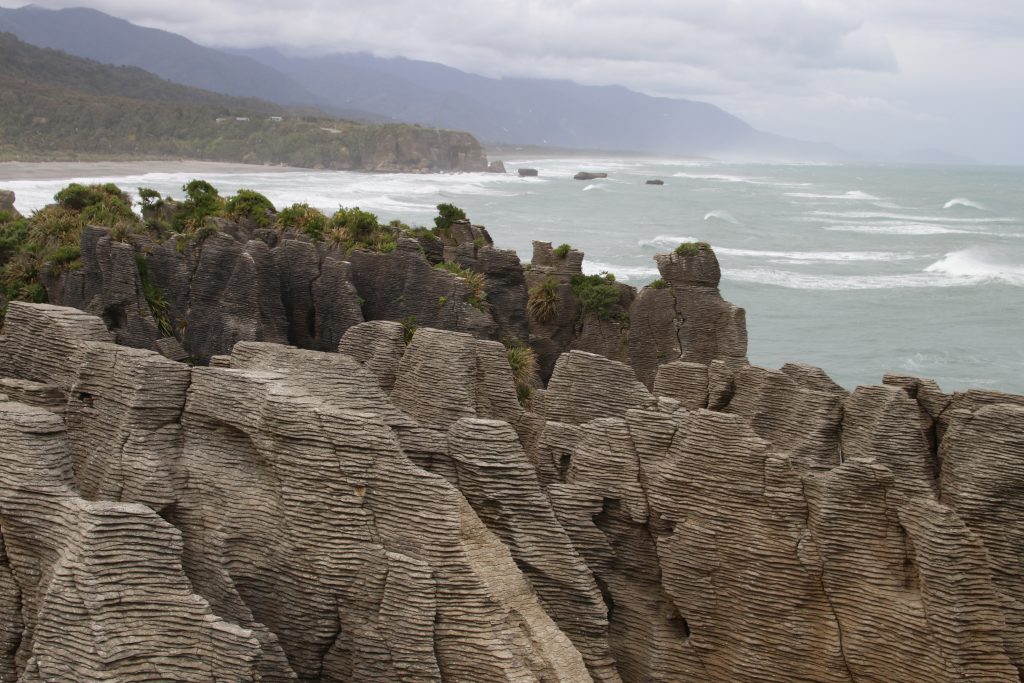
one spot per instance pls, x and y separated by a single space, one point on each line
874 75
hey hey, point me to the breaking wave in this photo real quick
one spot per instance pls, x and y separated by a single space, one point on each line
956 269
724 216
963 201
974 264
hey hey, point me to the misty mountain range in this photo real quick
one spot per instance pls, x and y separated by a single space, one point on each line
363 87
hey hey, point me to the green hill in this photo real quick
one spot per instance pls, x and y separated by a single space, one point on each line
57 107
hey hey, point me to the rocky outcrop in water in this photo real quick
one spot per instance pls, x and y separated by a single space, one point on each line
382 505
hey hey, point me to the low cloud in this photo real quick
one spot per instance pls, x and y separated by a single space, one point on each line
868 68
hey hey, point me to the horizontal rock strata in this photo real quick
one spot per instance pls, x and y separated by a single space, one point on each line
393 510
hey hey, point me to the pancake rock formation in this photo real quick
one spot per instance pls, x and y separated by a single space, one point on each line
333 494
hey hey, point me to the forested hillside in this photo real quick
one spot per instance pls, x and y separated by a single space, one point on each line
55 107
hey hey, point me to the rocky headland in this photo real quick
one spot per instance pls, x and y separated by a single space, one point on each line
249 451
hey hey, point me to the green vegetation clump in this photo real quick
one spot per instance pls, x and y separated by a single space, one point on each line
155 298
562 250
692 248
408 329
542 304
303 218
47 243
13 234
658 284
523 362
421 234
447 214
476 282
357 229
97 204
150 198
251 205
64 258
202 201
598 293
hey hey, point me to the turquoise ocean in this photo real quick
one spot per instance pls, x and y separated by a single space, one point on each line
858 269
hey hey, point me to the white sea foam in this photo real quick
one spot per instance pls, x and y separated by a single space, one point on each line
795 280
963 268
963 201
592 186
666 241
817 256
619 271
729 178
897 228
852 194
872 215
977 264
721 216
672 241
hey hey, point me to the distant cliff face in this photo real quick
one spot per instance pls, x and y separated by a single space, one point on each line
356 488
411 149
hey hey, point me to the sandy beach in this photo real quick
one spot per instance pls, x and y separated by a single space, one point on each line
55 170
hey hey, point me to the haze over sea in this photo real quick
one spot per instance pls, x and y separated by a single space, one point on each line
860 270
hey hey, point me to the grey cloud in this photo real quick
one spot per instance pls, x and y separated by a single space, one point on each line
859 72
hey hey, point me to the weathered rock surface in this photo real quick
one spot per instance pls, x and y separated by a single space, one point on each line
661 511
101 591
379 346
7 203
527 172
709 328
402 285
589 175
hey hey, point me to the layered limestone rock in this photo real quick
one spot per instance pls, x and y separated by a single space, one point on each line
101 595
391 512
379 346
795 415
710 328
109 286
403 285
264 447
586 386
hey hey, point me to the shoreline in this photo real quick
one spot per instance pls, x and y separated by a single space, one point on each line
57 170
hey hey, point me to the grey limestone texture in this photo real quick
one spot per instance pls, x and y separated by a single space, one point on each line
387 510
